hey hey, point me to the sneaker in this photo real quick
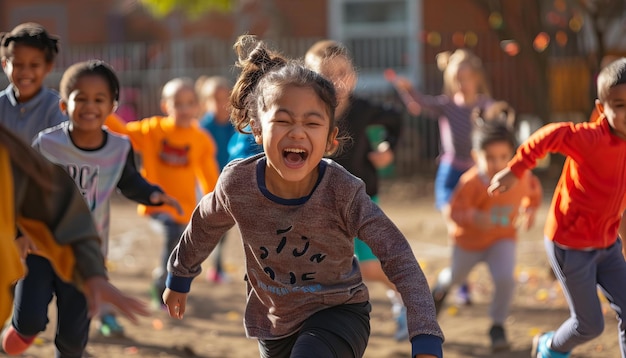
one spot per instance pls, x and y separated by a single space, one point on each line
402 329
14 343
463 295
541 347
498 339
439 295
109 327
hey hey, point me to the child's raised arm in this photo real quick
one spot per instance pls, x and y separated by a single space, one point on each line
405 90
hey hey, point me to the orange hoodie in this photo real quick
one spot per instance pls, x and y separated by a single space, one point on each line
471 195
590 196
176 159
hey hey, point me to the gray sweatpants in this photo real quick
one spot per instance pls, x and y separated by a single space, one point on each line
500 257
580 273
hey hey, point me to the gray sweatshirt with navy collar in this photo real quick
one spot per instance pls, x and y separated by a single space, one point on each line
299 253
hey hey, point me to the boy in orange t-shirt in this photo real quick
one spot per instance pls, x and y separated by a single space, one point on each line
178 156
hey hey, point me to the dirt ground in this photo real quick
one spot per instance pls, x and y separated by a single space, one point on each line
212 326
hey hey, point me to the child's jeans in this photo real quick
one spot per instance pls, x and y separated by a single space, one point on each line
30 311
580 273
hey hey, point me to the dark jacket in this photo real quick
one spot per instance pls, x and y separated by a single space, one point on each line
360 115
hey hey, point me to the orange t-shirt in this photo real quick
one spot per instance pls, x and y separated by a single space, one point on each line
175 158
471 197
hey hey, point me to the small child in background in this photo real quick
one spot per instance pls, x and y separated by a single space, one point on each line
215 94
485 227
26 105
465 88
98 161
242 145
354 116
298 215
582 236
177 155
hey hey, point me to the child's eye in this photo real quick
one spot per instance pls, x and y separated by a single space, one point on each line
280 120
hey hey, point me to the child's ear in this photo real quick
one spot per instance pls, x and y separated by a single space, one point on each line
256 131
164 107
332 144
115 105
599 107
63 106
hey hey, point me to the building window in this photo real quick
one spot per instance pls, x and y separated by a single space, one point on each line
380 34
368 13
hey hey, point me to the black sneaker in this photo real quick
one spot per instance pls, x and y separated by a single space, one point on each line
439 295
498 339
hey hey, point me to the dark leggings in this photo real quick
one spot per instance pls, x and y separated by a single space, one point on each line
337 332
30 312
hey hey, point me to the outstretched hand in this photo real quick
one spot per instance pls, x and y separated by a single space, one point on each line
157 197
176 303
404 87
502 181
98 289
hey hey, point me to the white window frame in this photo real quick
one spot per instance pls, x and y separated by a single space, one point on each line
413 27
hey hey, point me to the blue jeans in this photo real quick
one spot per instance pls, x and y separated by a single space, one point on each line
30 311
173 231
580 273
445 181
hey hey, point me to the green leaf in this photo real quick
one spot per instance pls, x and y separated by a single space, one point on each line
191 8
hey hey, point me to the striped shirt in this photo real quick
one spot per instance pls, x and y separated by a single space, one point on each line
455 127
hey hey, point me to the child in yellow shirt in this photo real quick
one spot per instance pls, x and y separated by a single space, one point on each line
178 156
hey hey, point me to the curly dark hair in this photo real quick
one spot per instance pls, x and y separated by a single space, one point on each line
29 34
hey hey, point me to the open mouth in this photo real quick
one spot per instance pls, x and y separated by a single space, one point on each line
295 155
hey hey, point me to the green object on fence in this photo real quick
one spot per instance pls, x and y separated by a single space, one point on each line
376 135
